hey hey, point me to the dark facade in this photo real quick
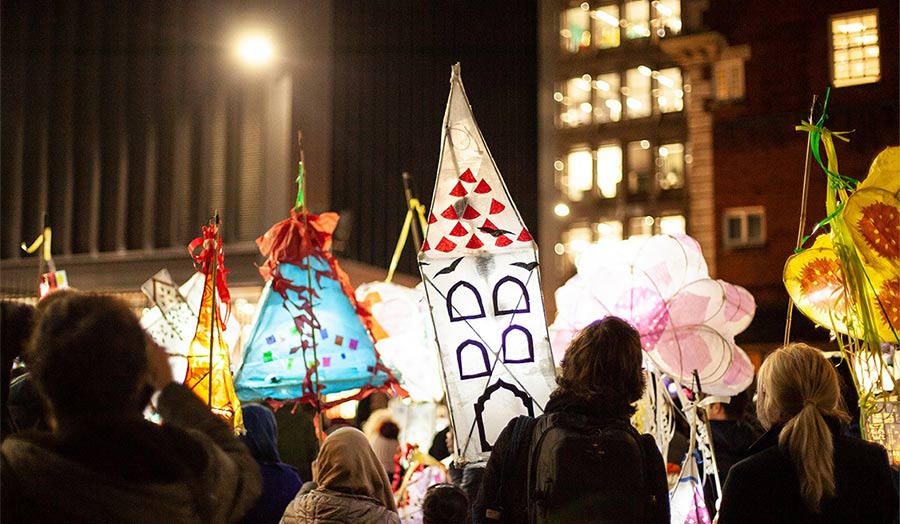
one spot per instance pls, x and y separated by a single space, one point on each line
130 124
759 157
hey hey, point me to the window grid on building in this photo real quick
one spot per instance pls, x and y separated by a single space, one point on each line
744 227
855 48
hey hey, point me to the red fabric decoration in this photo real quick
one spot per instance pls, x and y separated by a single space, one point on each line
458 190
474 242
445 245
467 176
470 213
502 241
211 245
488 224
459 230
524 236
496 206
425 246
432 219
482 188
450 214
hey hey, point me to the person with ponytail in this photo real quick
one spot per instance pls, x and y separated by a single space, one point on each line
805 469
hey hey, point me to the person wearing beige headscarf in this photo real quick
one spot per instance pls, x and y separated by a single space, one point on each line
351 485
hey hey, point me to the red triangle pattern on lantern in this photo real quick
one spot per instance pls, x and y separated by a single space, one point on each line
459 230
474 243
467 176
470 213
482 188
524 236
432 219
502 241
496 207
488 224
425 246
450 214
445 245
458 190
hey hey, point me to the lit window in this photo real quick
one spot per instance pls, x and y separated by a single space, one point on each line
576 239
670 166
580 168
667 17
637 92
640 227
672 225
640 162
607 106
609 170
606 26
608 230
575 33
575 102
637 19
729 79
669 90
855 51
744 227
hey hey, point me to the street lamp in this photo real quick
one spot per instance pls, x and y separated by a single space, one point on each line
255 50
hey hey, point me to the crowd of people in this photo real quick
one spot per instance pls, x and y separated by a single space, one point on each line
78 446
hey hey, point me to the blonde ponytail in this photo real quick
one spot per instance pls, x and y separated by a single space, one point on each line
798 387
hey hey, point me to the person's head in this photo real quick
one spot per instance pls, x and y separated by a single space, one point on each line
262 433
346 463
798 387
445 504
16 325
89 360
389 430
603 363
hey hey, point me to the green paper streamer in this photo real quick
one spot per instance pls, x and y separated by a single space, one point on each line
299 203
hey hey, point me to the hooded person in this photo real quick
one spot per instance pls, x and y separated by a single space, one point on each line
102 461
351 485
281 482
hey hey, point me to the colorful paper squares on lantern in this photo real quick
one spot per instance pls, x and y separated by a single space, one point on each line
338 340
270 339
324 333
353 344
267 356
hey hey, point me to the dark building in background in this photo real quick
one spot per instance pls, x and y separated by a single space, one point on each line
131 123
391 82
746 73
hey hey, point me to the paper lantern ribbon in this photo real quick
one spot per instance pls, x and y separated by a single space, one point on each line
210 245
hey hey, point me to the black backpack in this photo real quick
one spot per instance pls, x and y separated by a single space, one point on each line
582 471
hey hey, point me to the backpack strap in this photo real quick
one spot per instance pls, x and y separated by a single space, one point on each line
519 443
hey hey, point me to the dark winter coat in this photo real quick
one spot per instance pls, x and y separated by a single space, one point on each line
513 479
765 488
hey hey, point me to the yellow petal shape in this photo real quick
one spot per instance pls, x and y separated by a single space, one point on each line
884 172
815 282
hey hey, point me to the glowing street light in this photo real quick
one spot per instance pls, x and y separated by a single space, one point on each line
255 50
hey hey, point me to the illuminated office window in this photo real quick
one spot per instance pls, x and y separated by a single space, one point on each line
669 92
609 170
670 166
637 19
637 92
575 33
574 102
576 239
639 164
666 17
579 171
855 51
606 26
672 225
728 79
607 104
608 230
